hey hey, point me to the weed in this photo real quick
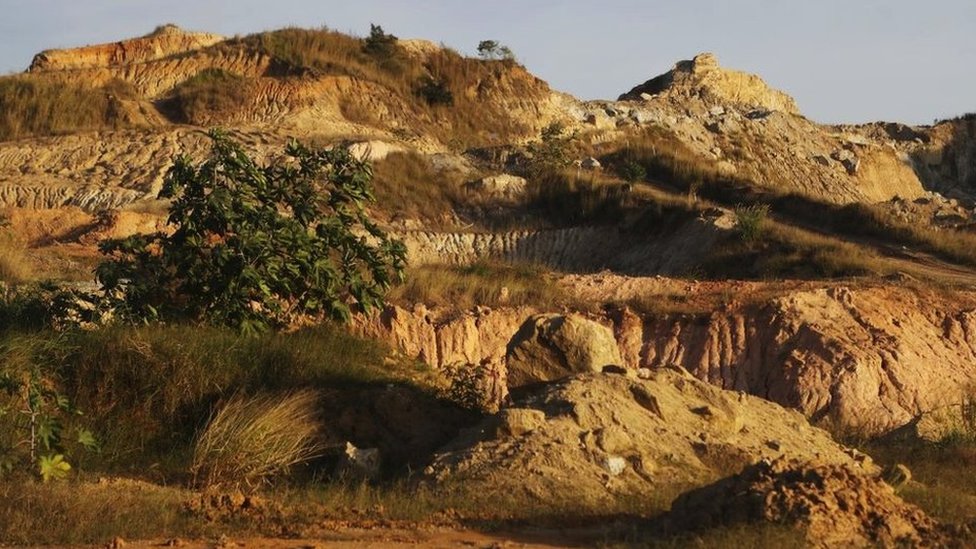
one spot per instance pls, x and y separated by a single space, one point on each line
750 221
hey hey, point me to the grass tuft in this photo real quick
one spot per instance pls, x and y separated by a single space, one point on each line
251 440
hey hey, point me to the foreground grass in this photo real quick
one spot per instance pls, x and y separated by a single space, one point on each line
147 391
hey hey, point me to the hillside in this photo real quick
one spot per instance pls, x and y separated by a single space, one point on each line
718 280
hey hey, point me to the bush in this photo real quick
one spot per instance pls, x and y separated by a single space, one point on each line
750 221
255 246
435 92
250 440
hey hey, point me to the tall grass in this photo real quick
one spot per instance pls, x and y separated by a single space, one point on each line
251 440
147 391
32 105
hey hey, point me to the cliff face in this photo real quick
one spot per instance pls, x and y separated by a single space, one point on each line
869 360
165 41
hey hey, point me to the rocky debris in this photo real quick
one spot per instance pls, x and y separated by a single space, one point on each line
702 77
933 209
373 151
549 346
835 506
359 463
595 437
502 187
848 159
165 41
590 164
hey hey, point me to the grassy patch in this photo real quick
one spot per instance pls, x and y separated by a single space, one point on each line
85 512
33 105
146 392
213 94
407 183
482 283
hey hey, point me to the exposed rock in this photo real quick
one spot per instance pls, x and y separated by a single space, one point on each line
590 164
502 186
373 151
595 437
871 360
165 41
834 505
549 347
702 77
359 463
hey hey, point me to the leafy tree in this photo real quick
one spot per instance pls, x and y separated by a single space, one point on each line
256 246
492 50
553 150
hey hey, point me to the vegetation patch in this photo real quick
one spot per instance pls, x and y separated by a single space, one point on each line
210 95
33 105
483 283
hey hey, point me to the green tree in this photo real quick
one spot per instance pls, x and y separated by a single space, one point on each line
492 50
256 246
379 44
552 152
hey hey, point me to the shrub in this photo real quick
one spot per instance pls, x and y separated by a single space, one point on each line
552 152
435 92
492 50
750 221
250 440
632 171
256 246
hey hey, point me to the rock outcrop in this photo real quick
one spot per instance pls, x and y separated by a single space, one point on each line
833 505
869 360
165 41
549 347
595 437
703 78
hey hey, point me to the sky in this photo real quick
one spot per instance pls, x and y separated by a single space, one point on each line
842 60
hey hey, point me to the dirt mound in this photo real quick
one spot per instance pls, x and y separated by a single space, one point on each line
596 437
834 505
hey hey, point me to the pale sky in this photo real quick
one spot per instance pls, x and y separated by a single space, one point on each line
843 60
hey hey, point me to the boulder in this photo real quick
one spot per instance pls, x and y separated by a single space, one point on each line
503 186
551 346
359 463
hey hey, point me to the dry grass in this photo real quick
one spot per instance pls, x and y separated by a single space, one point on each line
213 94
251 440
15 267
475 117
32 105
406 183
483 283
92 513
